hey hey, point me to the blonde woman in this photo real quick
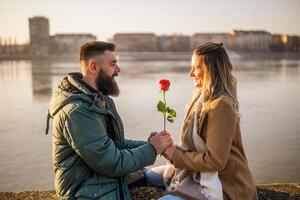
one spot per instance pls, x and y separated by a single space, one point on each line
210 155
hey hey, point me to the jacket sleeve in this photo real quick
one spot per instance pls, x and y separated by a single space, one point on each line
129 144
85 132
221 129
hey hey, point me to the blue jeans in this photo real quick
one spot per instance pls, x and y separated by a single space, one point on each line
155 178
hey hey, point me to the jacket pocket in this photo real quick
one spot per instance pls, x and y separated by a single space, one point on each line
108 191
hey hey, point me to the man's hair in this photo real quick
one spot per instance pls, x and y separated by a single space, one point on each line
93 48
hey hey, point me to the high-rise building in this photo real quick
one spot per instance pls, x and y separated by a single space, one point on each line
39 36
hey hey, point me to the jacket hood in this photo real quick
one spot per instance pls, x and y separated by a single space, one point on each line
71 88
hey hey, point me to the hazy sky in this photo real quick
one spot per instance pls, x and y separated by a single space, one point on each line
104 18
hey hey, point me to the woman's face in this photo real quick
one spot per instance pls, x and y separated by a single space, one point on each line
197 72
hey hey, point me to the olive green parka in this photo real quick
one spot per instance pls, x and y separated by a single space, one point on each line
91 157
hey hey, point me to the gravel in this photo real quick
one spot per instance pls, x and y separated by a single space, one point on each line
265 192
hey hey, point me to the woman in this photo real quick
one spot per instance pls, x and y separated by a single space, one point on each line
210 143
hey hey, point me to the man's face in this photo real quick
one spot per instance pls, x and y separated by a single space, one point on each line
105 81
108 63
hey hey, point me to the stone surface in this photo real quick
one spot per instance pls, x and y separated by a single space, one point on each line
265 192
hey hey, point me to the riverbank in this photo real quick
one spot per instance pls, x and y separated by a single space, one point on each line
286 191
157 55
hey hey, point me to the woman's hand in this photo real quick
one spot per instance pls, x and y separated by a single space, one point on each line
168 173
169 152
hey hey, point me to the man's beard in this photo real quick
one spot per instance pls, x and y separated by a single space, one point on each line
107 85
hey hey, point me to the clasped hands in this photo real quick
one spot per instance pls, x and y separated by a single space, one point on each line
163 144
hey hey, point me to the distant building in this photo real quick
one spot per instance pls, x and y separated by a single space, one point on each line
227 39
9 47
293 43
173 43
69 44
135 41
253 40
181 43
278 43
44 45
164 43
39 36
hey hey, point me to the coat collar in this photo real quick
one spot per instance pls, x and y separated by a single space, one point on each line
191 106
75 79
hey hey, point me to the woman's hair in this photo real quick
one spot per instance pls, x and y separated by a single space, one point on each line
218 79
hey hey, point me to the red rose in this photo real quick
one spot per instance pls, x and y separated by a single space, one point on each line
164 84
168 113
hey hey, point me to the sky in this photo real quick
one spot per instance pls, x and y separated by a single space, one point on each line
105 18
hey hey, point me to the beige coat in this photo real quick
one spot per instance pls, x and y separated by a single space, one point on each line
220 128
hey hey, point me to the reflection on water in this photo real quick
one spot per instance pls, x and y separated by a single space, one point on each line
41 79
268 93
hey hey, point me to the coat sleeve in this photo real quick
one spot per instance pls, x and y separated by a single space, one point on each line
129 144
86 133
221 129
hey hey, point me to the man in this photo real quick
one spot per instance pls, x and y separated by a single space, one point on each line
91 157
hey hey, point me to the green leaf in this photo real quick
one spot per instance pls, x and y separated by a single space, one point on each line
170 119
161 106
167 109
172 112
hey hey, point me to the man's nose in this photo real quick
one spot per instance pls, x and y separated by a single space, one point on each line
118 68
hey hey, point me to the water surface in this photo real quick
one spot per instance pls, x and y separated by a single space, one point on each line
268 92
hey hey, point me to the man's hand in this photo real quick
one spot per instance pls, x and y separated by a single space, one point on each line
151 135
161 141
169 152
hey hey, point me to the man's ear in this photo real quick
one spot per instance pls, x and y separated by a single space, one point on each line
92 66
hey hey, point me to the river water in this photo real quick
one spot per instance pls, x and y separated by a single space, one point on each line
268 92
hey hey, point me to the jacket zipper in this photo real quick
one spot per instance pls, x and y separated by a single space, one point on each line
121 188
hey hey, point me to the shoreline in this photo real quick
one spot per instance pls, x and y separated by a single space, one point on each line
279 191
157 55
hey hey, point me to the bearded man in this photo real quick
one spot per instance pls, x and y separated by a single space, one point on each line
91 157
